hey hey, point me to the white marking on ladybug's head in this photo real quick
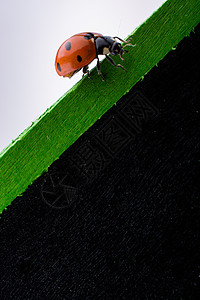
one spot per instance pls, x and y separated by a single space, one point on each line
106 50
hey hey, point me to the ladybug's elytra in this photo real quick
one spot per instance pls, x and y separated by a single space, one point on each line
81 49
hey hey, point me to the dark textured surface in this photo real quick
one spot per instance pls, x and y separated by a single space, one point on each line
117 216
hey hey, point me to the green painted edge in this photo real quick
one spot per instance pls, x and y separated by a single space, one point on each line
61 125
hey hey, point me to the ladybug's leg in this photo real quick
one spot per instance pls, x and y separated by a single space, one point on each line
114 64
116 37
98 69
86 71
123 41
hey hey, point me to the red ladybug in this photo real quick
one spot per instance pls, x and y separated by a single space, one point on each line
81 49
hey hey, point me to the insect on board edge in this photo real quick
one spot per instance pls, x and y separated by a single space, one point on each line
81 49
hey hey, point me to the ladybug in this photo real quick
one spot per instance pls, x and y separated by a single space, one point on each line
81 49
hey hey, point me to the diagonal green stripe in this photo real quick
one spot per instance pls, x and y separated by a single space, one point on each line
61 125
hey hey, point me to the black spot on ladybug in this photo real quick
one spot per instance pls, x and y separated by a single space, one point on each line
79 58
58 67
88 36
68 46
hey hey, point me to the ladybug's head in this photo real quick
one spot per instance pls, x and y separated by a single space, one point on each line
116 49
108 44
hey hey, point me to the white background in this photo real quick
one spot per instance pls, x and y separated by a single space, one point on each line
31 33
